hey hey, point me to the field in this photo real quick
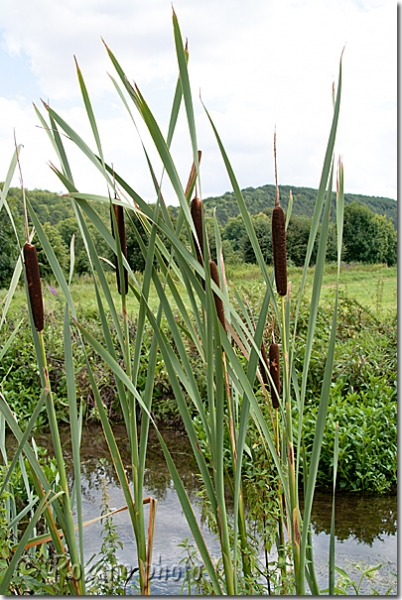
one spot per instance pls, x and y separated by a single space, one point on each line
372 286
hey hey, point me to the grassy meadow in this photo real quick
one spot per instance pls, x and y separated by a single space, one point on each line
372 286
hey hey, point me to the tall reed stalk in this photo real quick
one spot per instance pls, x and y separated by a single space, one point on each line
55 507
221 334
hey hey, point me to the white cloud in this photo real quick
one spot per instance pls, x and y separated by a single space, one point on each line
258 64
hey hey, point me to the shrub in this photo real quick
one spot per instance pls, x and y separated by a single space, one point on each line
367 437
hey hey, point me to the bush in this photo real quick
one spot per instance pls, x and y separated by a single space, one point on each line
367 437
363 398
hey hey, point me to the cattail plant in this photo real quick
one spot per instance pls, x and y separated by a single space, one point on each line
34 284
225 376
63 510
279 239
121 236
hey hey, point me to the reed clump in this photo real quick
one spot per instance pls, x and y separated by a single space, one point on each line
231 400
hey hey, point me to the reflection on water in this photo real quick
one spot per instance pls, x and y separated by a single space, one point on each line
364 518
366 526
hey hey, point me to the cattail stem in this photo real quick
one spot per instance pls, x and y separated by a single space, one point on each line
294 504
34 284
58 451
193 175
24 202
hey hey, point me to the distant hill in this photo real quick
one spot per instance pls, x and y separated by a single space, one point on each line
53 207
262 198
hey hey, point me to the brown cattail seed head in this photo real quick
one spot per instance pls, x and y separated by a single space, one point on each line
34 285
275 372
279 248
196 213
121 229
218 302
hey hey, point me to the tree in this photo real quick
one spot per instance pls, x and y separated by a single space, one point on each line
368 237
235 232
8 249
383 231
263 231
58 246
134 228
297 236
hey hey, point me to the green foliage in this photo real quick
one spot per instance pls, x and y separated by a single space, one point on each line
365 214
297 235
367 437
60 250
106 576
39 570
49 206
8 244
387 243
262 198
36 571
368 238
191 334
263 231
20 381
366 348
235 233
363 399
368 578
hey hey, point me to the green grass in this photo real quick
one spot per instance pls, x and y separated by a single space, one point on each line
373 286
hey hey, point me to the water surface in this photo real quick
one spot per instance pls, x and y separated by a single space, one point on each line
366 526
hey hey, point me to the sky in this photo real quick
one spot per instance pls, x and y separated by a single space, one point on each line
259 66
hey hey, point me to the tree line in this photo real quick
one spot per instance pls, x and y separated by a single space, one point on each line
368 237
259 199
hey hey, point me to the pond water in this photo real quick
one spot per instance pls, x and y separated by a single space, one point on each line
366 526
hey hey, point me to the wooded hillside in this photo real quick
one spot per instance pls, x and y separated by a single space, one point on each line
262 198
369 230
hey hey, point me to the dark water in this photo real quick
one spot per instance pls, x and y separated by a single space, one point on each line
366 526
